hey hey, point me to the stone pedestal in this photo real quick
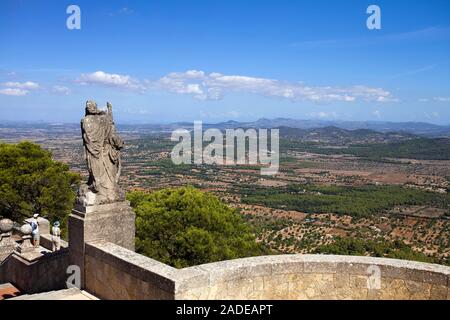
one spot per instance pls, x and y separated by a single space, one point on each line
26 246
114 222
7 246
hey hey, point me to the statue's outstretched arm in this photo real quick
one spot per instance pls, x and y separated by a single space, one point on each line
109 111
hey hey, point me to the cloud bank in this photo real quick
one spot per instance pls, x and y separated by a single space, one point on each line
435 99
13 92
214 86
111 80
18 89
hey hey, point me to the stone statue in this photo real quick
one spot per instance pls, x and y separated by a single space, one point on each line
102 148
101 211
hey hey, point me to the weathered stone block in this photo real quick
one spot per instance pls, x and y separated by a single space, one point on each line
438 292
114 223
320 267
341 280
358 282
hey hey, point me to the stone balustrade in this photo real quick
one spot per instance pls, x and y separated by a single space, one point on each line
32 269
113 272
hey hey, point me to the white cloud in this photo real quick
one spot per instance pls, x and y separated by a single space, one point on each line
213 86
61 90
112 80
435 99
21 85
323 115
14 92
442 99
180 83
18 89
220 115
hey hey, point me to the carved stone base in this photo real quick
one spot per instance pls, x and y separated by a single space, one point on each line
26 246
114 222
7 246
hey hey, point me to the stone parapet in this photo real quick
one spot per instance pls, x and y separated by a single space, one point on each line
46 242
113 272
36 273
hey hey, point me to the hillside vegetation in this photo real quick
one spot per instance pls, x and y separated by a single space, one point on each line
356 201
417 148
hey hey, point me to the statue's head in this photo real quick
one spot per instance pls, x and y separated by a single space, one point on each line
91 107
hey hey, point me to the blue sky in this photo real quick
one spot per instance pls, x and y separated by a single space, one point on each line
164 61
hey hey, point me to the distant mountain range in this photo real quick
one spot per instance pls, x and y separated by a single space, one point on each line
338 136
417 128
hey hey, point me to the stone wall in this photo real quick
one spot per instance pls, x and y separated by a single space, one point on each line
113 272
319 277
46 242
45 273
38 270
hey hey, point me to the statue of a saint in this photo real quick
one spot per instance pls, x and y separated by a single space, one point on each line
102 147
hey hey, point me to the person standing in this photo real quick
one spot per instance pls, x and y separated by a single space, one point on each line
56 237
35 230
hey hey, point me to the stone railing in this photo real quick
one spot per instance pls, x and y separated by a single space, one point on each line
32 274
31 269
113 272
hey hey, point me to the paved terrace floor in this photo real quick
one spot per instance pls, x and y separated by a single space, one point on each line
7 290
66 294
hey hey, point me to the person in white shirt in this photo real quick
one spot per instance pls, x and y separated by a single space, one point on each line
56 237
35 230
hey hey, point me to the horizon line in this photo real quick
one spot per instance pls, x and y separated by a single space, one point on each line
133 122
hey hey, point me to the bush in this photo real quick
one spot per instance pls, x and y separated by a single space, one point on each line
184 227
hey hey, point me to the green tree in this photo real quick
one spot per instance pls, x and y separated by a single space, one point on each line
32 182
184 227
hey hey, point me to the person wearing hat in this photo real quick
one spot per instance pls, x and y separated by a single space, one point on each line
35 230
56 237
